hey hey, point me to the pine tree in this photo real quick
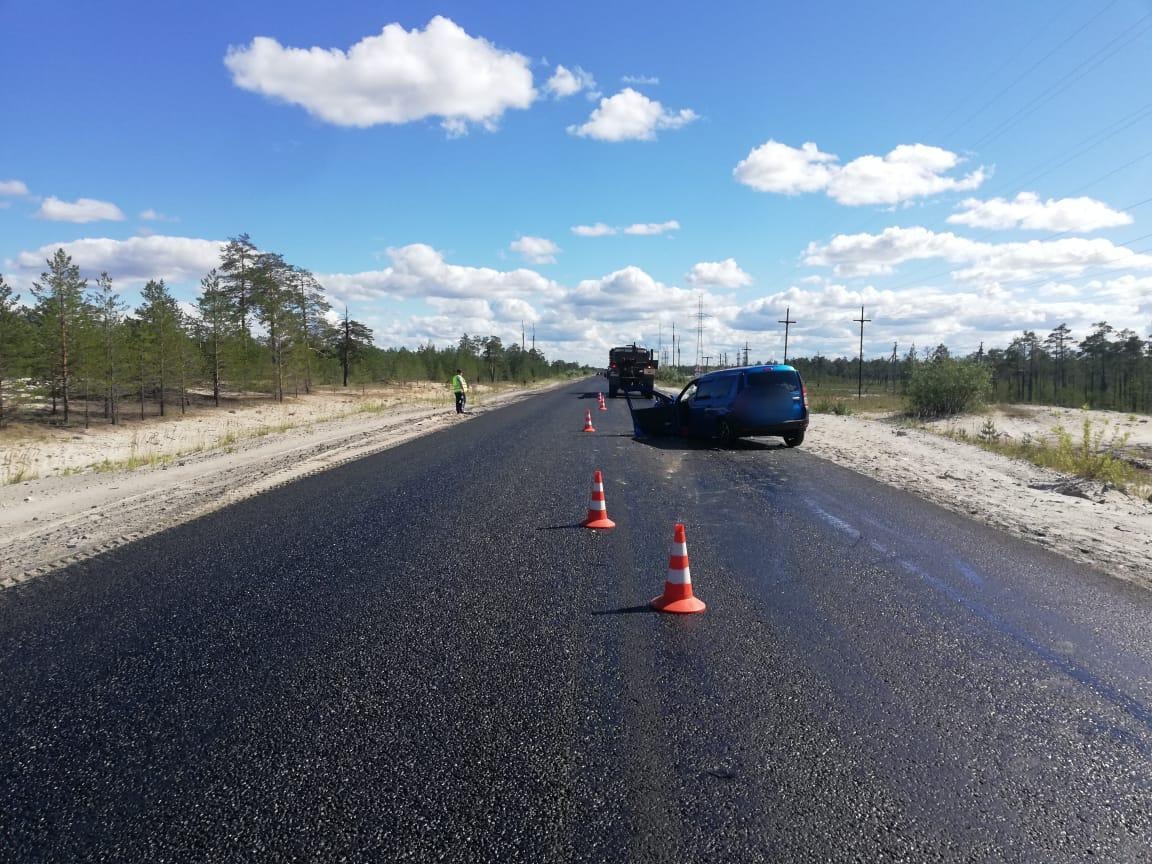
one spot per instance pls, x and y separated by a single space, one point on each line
311 307
237 259
161 321
271 297
108 314
349 342
1057 343
60 304
214 311
12 333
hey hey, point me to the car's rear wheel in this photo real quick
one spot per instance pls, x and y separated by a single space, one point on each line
794 440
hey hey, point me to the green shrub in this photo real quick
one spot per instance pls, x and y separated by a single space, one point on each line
944 387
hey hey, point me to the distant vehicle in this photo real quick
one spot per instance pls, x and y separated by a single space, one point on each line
631 369
733 403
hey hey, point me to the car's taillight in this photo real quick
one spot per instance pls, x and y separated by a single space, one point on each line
804 393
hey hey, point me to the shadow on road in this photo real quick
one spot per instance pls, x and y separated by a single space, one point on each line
673 443
559 527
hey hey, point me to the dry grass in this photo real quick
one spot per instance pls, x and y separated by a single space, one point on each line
1097 454
841 401
16 464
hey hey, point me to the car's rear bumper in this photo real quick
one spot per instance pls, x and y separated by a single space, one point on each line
785 428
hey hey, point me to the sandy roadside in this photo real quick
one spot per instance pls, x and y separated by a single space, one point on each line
1081 520
50 522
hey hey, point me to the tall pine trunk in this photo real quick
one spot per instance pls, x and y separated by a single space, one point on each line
64 359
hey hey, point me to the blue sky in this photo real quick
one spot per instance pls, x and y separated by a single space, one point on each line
595 169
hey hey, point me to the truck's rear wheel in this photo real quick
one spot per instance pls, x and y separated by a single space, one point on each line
611 392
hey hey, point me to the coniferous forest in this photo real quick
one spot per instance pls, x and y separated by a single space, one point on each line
261 327
1102 369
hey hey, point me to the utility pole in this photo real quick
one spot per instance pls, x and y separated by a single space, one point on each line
786 322
860 362
892 367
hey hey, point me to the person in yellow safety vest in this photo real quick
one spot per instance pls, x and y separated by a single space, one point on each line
460 390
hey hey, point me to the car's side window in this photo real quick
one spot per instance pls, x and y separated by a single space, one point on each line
715 389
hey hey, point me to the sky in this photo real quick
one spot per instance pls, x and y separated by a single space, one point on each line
599 173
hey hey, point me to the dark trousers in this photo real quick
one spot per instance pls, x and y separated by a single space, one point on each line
460 398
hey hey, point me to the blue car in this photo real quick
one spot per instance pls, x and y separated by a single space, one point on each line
733 403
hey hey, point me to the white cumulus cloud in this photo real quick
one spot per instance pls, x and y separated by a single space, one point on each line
776 167
639 229
871 254
628 295
420 271
721 274
537 250
568 82
597 230
137 259
81 210
1027 211
907 172
398 76
631 116
868 254
13 187
649 229
151 215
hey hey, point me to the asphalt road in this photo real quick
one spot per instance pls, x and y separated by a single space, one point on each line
419 656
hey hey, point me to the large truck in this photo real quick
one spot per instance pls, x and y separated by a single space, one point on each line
631 369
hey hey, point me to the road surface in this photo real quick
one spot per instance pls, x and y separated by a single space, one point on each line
420 656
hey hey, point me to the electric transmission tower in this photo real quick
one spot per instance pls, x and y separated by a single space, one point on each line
700 316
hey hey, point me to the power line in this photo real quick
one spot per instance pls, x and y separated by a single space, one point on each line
1065 82
1102 177
1008 61
1103 135
1031 69
1054 89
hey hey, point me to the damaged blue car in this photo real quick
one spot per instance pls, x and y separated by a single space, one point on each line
732 403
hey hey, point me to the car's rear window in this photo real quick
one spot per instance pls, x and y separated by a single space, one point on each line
774 379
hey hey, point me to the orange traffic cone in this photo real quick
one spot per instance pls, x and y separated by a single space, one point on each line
598 508
588 422
677 596
603 407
